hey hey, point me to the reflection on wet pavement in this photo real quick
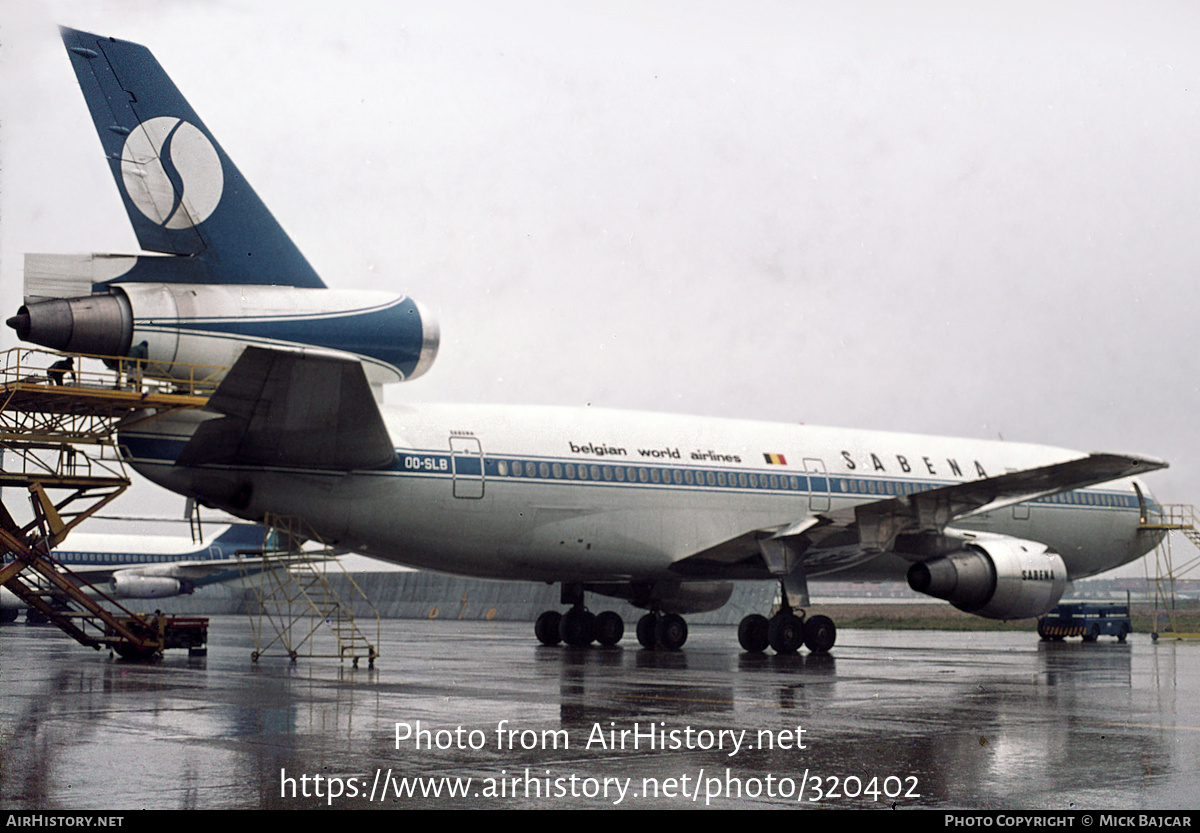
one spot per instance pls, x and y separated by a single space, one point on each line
915 719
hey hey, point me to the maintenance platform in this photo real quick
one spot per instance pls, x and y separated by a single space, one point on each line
59 417
59 422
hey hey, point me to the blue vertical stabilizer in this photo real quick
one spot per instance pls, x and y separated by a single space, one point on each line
183 194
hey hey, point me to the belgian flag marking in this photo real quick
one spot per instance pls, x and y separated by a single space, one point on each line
775 459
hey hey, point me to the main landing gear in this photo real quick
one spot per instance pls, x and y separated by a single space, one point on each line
578 627
785 632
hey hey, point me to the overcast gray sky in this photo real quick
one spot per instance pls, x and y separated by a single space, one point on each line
965 218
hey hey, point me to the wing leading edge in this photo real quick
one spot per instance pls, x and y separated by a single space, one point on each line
851 534
880 522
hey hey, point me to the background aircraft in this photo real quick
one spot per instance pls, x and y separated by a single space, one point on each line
148 566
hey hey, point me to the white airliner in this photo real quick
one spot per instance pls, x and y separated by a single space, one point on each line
664 511
147 566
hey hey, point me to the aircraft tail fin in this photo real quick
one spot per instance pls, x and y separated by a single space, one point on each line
183 194
251 535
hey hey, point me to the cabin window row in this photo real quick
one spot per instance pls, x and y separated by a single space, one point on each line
640 474
751 480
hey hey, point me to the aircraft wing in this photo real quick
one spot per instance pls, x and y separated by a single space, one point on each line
296 410
839 538
934 510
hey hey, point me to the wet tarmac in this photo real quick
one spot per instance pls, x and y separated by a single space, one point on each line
892 718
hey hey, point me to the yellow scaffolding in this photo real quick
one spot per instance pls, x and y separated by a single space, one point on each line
296 610
1168 518
59 418
58 424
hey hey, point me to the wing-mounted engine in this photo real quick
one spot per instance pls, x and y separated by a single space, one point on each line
994 576
172 325
130 585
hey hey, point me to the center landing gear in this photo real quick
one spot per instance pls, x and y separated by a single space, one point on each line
785 632
662 630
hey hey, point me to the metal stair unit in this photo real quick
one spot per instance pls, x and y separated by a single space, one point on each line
293 598
1168 518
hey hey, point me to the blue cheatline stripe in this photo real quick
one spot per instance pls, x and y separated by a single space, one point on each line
392 334
558 470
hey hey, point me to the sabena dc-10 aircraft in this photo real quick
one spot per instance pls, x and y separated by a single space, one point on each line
663 511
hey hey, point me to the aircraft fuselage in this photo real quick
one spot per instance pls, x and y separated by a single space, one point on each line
560 494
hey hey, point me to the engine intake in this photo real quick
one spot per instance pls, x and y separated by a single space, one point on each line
100 324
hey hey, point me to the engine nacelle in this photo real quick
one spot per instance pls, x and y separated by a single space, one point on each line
996 577
171 324
133 586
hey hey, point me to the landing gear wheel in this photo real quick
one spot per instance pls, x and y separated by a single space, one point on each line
819 634
785 633
610 627
752 633
577 628
546 628
645 630
671 632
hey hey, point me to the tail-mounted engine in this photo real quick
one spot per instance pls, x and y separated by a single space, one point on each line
226 275
995 577
170 324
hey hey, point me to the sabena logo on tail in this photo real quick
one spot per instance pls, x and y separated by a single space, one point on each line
172 172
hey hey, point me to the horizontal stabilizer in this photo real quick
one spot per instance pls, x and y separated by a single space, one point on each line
72 276
292 410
